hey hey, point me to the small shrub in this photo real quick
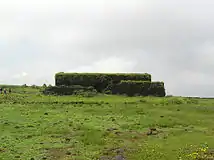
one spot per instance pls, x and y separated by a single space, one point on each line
86 94
24 85
69 90
194 152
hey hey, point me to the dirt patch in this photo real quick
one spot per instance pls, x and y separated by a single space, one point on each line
59 153
132 135
114 154
2 150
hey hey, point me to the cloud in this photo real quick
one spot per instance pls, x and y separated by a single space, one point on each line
173 40
17 76
109 65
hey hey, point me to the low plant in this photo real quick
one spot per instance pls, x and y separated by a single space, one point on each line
193 152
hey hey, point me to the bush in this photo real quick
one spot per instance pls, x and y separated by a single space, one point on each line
24 85
100 81
68 90
83 93
35 86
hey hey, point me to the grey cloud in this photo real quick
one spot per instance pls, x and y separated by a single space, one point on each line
173 40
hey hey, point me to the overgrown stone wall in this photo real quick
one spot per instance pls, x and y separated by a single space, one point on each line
122 83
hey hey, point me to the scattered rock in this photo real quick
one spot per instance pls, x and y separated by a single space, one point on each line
2 150
120 151
164 137
68 153
111 129
113 119
151 131
211 151
30 126
104 158
117 133
119 157
29 136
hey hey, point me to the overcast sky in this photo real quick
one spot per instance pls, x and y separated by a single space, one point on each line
171 39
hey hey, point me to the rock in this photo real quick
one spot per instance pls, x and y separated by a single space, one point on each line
104 158
17 156
111 129
151 131
68 153
30 126
117 133
119 157
120 151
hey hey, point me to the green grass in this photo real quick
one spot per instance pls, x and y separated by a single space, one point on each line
39 127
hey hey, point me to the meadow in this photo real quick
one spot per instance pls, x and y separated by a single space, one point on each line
104 127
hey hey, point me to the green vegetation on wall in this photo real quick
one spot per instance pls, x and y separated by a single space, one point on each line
157 89
143 88
67 90
98 80
116 83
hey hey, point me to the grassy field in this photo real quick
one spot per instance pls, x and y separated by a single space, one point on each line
37 127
